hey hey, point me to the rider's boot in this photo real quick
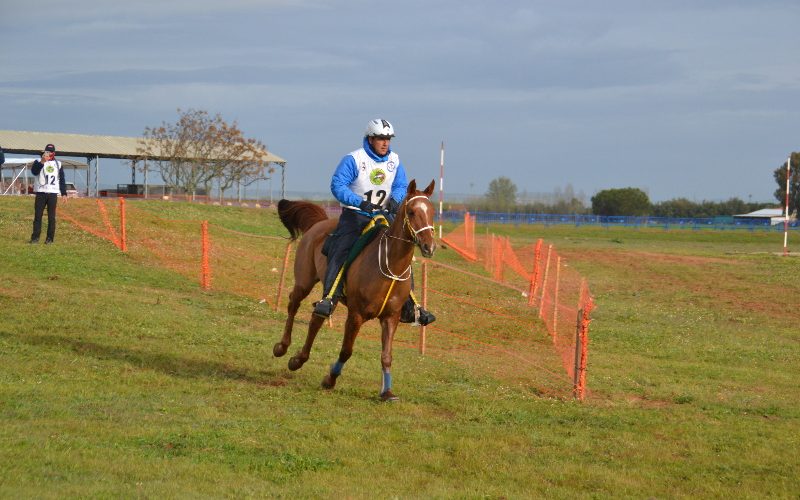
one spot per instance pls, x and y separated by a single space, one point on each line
415 313
324 308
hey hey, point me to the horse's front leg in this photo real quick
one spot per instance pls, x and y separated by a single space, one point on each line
388 327
351 328
299 359
296 296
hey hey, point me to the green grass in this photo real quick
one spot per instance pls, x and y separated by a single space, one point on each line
120 379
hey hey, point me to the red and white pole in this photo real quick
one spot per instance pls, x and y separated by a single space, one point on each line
441 188
786 210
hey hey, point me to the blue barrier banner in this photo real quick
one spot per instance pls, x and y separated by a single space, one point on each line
719 223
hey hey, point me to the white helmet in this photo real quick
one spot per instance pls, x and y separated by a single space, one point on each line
379 126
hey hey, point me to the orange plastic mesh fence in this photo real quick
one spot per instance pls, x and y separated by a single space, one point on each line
93 216
557 291
240 263
485 319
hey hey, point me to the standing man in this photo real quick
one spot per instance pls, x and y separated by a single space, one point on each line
48 183
367 180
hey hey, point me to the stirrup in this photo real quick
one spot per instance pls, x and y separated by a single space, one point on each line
324 308
425 317
412 313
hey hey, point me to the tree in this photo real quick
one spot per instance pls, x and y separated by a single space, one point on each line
199 149
502 195
622 201
794 184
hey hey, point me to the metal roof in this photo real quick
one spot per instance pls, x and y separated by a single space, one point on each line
14 163
764 212
87 146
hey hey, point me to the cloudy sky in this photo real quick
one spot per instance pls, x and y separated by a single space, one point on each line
696 99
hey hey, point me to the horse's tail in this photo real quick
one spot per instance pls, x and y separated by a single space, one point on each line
299 216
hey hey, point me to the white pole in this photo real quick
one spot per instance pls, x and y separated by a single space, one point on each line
96 176
441 188
786 210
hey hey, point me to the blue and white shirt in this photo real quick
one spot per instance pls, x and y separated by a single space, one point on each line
363 175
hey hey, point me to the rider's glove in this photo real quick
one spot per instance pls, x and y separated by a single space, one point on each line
369 207
392 206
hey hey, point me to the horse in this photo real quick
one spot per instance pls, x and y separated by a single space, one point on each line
377 281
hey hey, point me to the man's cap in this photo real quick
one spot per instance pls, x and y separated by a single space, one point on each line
50 147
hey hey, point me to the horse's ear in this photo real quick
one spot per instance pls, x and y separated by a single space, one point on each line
412 186
429 190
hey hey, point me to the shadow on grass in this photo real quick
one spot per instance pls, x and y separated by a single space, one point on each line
166 363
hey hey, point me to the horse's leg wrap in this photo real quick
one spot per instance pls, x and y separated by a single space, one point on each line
387 381
329 381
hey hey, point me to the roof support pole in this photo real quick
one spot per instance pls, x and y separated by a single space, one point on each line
283 181
88 176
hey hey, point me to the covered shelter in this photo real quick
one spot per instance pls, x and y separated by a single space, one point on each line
95 147
763 217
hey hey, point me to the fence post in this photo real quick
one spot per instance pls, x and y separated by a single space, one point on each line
544 280
283 274
204 265
122 226
422 331
576 376
555 300
537 255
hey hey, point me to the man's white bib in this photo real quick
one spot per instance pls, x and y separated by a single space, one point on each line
47 181
374 181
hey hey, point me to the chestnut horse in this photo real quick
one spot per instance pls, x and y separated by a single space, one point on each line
377 281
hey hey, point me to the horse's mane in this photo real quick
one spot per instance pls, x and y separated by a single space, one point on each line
299 216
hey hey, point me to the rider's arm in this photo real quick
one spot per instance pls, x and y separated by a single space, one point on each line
400 184
345 174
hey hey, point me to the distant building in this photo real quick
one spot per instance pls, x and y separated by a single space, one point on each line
763 217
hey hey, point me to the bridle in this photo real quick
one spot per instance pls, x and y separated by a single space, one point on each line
383 244
407 222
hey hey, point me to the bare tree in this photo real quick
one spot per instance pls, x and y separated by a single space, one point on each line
199 149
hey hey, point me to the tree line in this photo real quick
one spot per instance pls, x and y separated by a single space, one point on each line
501 196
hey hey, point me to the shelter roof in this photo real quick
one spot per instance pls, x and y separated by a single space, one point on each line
24 162
79 145
764 212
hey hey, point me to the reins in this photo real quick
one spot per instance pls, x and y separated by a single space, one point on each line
383 248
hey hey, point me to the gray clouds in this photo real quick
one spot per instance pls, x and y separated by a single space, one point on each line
679 98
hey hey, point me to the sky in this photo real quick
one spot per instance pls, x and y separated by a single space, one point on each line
697 99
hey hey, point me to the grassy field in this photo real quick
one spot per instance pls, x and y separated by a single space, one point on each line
119 379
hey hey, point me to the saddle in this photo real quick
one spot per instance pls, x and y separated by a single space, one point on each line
367 235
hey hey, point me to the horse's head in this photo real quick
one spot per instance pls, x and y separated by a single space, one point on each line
417 212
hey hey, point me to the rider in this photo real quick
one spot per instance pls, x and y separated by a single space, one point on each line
360 185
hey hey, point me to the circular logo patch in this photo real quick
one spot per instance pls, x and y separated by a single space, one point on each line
49 169
377 176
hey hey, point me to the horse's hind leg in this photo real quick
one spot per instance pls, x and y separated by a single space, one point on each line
299 359
295 298
351 328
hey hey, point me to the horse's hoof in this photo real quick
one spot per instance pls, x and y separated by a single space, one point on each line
295 363
328 382
279 350
388 397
